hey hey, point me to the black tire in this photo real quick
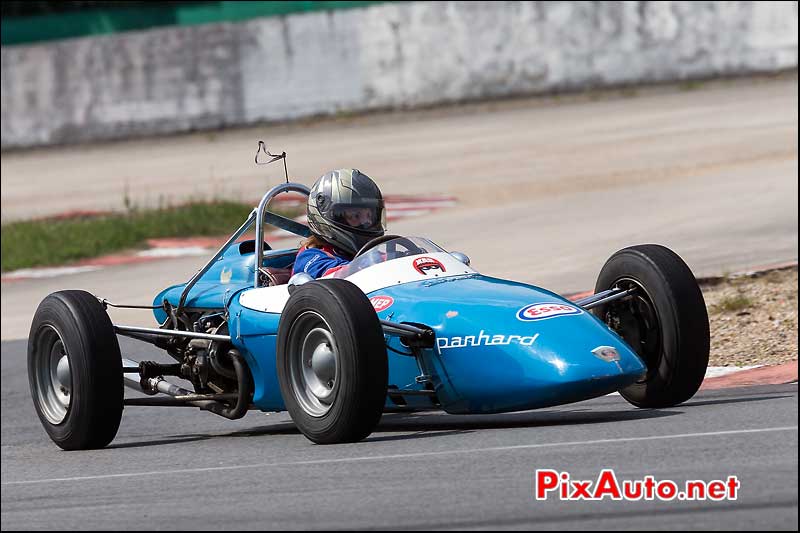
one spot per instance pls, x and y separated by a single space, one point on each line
665 322
88 413
356 389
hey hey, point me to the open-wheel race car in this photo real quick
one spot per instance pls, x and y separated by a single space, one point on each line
406 325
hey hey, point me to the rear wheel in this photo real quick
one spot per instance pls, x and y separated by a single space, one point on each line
75 371
665 322
331 362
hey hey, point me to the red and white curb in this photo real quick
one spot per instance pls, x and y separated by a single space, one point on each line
719 371
397 207
37 273
715 372
749 376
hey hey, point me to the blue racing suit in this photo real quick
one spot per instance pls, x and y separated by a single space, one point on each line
316 262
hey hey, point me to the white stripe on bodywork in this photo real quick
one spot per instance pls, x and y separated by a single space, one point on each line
266 299
399 271
376 277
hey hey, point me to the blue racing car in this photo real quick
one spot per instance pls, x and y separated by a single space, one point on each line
406 325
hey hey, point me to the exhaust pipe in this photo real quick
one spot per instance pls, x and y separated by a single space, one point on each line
160 385
239 409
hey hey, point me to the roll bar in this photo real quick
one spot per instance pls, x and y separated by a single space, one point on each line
272 193
259 216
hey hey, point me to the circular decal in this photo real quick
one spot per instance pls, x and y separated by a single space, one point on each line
381 303
548 310
608 354
423 264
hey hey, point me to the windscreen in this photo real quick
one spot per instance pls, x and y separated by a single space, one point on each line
386 251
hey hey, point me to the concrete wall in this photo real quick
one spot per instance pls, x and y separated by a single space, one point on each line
385 56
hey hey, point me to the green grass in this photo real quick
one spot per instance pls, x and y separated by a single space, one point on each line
691 85
733 303
50 242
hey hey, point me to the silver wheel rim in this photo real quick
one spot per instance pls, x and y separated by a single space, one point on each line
52 375
313 363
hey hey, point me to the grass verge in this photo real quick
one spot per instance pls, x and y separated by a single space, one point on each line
738 302
48 242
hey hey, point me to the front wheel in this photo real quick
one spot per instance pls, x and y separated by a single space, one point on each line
665 322
331 362
75 371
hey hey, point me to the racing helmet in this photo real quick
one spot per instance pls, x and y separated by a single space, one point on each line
345 209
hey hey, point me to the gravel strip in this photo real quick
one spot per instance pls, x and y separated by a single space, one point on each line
753 319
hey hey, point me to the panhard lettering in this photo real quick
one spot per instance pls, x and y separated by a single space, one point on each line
381 303
483 339
546 310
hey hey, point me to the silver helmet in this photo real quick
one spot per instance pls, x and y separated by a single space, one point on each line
345 209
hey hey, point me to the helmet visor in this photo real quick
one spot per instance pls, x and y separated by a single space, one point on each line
360 217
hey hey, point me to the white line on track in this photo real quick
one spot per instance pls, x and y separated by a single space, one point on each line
401 456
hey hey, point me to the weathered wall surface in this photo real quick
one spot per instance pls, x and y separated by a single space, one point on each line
384 56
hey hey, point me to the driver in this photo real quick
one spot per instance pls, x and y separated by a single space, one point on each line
345 211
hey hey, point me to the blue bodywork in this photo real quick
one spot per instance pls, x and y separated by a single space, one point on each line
487 357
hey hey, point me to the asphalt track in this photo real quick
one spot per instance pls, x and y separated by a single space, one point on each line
546 194
182 469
